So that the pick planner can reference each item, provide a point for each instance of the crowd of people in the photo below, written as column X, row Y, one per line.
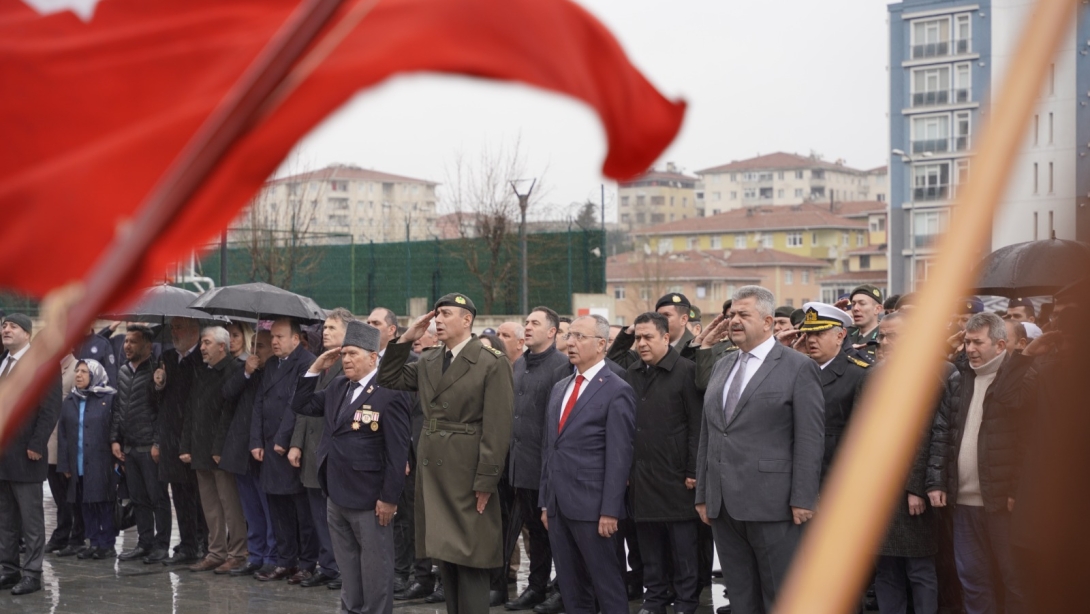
column 399, row 463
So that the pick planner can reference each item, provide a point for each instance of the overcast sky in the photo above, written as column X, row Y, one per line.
column 759, row 77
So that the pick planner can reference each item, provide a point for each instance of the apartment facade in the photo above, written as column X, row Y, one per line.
column 947, row 58
column 656, row 197
column 369, row 205
column 786, row 179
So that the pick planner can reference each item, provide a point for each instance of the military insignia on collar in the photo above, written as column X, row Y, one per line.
column 460, row 300
column 370, row 389
column 861, row 363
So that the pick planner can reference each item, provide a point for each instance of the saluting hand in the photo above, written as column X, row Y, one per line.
column 325, row 361
column 418, row 328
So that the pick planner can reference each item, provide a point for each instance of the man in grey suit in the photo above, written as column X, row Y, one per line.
column 759, row 458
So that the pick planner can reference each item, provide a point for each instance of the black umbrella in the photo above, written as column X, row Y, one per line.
column 258, row 300
column 160, row 303
column 1036, row 268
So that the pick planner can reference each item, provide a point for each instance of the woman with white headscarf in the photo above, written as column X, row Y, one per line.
column 83, row 453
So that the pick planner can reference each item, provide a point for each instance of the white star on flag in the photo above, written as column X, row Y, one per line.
column 84, row 9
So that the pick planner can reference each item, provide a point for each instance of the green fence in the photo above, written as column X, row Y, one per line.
column 363, row 276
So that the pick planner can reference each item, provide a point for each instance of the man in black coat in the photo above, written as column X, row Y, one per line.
column 535, row 373
column 270, row 437
column 361, row 464
column 675, row 307
column 232, row 447
column 219, row 493
column 842, row 374
column 174, row 384
column 132, row 433
column 23, row 468
column 663, row 478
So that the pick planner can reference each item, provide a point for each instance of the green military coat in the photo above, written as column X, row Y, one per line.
column 463, row 446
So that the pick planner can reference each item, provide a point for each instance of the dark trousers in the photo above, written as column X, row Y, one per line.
column 405, row 561
column 539, row 549
column 505, row 496
column 98, row 518
column 669, row 565
column 705, row 552
column 898, row 576
column 466, row 588
column 754, row 557
column 318, row 513
column 192, row 528
column 22, row 514
column 982, row 550
column 296, row 543
column 69, row 519
column 366, row 550
column 587, row 566
column 626, row 535
column 260, row 538
column 150, row 499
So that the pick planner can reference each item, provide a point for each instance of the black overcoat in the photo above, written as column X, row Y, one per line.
column 15, row 466
column 204, row 422
column 232, row 443
column 274, row 421
column 174, row 407
column 99, row 478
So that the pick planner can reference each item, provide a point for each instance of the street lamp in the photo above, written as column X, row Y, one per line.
column 524, row 202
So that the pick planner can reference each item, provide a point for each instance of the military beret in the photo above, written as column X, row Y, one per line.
column 675, row 299
column 362, row 335
column 694, row 313
column 456, row 300
column 823, row 316
column 971, row 305
column 869, row 290
column 1021, row 302
column 784, row 311
column 797, row 316
column 20, row 320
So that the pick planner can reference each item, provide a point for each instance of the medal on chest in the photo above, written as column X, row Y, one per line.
column 365, row 415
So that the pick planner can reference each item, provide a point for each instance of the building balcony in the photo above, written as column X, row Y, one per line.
column 933, row 192
column 943, row 145
column 940, row 49
column 941, row 97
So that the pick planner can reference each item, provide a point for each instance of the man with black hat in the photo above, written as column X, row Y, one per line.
column 842, row 375
column 466, row 392
column 695, row 326
column 676, row 309
column 1021, row 310
column 23, row 468
column 361, row 464
column 866, row 302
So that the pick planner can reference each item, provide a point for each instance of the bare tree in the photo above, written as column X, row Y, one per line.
column 486, row 213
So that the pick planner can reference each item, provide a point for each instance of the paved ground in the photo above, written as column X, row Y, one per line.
column 112, row 587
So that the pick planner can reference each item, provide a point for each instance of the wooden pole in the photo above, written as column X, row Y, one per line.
column 867, row 481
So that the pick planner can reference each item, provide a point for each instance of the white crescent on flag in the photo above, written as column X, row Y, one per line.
column 84, row 9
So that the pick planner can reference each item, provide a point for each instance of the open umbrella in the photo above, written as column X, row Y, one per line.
column 160, row 303
column 258, row 300
column 1035, row 268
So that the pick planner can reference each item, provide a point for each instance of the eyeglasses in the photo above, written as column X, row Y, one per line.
column 578, row 337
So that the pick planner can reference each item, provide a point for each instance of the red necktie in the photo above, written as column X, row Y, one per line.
column 579, row 379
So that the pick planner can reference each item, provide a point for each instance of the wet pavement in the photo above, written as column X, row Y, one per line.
column 113, row 587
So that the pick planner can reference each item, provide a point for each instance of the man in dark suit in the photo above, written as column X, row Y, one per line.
column 361, row 465
column 304, row 450
column 23, row 468
column 675, row 307
column 270, row 436
column 759, row 460
column 585, row 467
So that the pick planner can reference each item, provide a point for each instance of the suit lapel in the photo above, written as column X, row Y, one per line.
column 325, row 378
column 557, row 406
column 766, row 367
column 282, row 368
column 592, row 386
column 459, row 366
column 718, row 380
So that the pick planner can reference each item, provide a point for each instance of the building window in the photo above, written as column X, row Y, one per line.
column 813, row 239
column 962, row 83
column 860, row 239
column 794, row 239
column 733, row 195
column 701, row 291
column 734, row 176
column 779, row 193
column 864, row 262
column 626, row 218
column 641, row 200
column 658, row 201
column 930, row 182
column 817, row 174
column 692, row 243
column 641, row 218
column 749, row 193
column 961, row 131
column 338, row 204
column 1050, row 178
column 666, row 246
column 624, row 201
column 671, row 201
column 658, row 218
column 1050, row 127
column 717, row 291
column 790, row 302
column 798, row 192
column 717, row 196
column 717, row 242
column 618, row 293
column 878, row 224
column 338, row 186
column 766, row 241
column 929, row 225
column 675, row 289
column 805, row 278
column 963, row 33
column 931, row 38
column 766, row 193
column 817, row 191
column 739, row 241
column 844, row 239
column 799, row 174
column 931, row 133
column 788, row 277
column 931, row 86
column 645, row 293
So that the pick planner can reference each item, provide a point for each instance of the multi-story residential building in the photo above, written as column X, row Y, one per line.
column 947, row 58
column 707, row 278
column 810, row 230
column 369, row 205
column 656, row 197
column 867, row 264
column 786, row 179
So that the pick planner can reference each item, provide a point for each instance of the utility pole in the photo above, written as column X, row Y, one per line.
column 524, row 202
column 223, row 258
column 605, row 256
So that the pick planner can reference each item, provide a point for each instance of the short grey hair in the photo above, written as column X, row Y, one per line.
column 766, row 302
column 219, row 334
column 601, row 325
column 340, row 313
column 997, row 330
column 520, row 331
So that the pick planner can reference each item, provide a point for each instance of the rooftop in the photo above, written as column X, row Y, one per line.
column 666, row 176
column 348, row 172
column 859, row 208
column 679, row 266
column 767, row 217
column 779, row 161
column 876, row 277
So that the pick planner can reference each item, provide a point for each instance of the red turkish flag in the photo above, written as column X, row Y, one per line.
column 93, row 112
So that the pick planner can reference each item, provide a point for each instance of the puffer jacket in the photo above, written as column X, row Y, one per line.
column 135, row 411
column 1009, row 406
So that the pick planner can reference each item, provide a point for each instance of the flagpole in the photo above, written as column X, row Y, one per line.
column 867, row 480
column 76, row 306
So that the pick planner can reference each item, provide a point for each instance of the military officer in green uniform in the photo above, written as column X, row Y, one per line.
column 866, row 305
column 824, row 328
column 467, row 395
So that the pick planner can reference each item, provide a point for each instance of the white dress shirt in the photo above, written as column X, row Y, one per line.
column 17, row 356
column 587, row 375
column 756, row 357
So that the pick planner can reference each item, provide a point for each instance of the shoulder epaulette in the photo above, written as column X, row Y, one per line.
column 493, row 350
column 861, row 363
